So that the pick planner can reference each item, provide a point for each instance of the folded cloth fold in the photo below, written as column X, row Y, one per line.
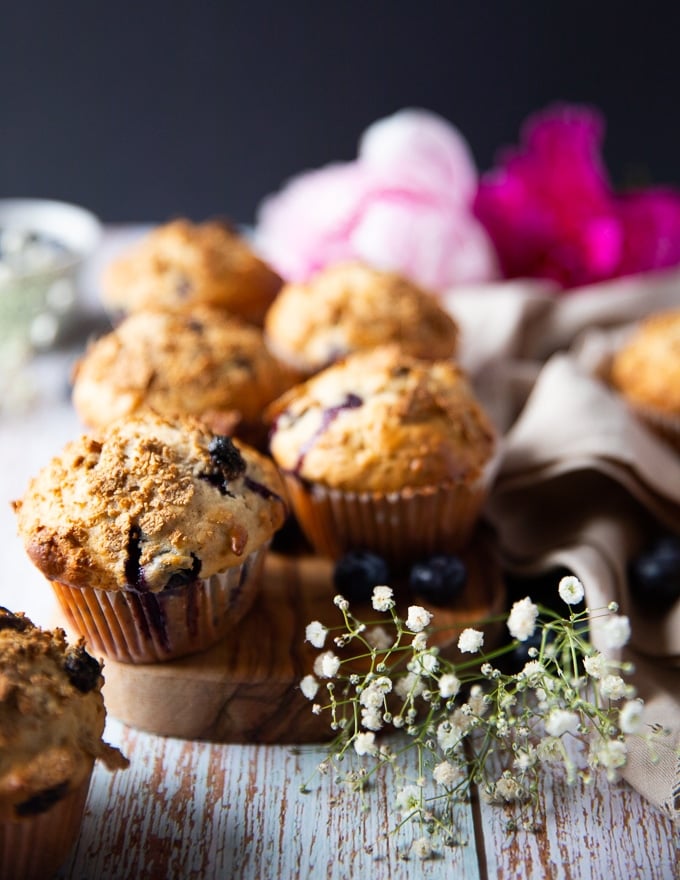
column 583, row 484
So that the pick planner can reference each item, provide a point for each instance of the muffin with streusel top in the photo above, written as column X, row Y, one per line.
column 646, row 372
column 152, row 533
column 182, row 264
column 386, row 452
column 203, row 363
column 52, row 719
column 351, row 307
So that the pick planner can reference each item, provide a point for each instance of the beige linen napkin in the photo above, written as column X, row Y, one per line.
column 582, row 482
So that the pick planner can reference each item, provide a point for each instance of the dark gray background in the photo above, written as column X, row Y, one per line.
column 149, row 110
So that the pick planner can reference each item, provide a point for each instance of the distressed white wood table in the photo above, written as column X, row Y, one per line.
column 190, row 810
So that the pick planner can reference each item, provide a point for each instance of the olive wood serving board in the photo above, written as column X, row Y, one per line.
column 246, row 687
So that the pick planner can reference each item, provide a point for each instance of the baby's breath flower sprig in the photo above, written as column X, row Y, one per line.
column 471, row 720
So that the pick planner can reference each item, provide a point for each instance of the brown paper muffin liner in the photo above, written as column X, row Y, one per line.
column 400, row 526
column 135, row 626
column 34, row 848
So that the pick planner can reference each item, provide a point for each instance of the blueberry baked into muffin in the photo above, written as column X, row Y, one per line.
column 204, row 363
column 52, row 719
column 152, row 533
column 353, row 307
column 385, row 452
column 182, row 264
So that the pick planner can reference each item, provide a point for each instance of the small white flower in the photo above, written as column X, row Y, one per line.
column 507, row 789
column 524, row 760
column 383, row 598
column 470, row 641
column 522, row 619
column 418, row 618
column 571, row 590
column 447, row 774
column 371, row 697
column 561, row 721
column 409, row 684
column 610, row 754
column 427, row 663
column 382, row 684
column 341, row 602
column 316, row 633
column 533, row 672
column 408, row 799
column 378, row 638
column 449, row 685
column 327, row 664
column 419, row 642
column 613, row 687
column 309, row 686
column 630, row 716
column 477, row 703
column 371, row 719
column 422, row 848
column 596, row 665
column 364, row 743
column 615, row 631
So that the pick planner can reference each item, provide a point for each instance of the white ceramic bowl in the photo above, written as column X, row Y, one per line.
column 43, row 246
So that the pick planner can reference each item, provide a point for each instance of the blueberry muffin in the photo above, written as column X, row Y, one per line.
column 385, row 452
column 202, row 363
column 181, row 264
column 645, row 370
column 352, row 307
column 51, row 724
column 152, row 533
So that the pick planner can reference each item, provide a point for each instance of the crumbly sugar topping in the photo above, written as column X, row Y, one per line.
column 143, row 502
column 51, row 714
column 382, row 421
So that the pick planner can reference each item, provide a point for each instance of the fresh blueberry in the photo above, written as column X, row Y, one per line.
column 438, row 579
column 654, row 575
column 358, row 572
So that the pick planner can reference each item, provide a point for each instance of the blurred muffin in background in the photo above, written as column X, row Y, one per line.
column 385, row 452
column 203, row 363
column 645, row 370
column 52, row 719
column 181, row 264
column 351, row 307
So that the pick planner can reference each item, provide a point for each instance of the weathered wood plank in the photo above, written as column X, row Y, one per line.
column 589, row 832
column 199, row 810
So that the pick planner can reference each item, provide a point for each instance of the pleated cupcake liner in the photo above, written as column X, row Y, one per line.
column 136, row 626
column 35, row 847
column 400, row 526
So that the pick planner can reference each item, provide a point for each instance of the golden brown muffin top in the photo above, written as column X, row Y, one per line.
column 181, row 264
column 51, row 717
column 383, row 421
column 198, row 363
column 149, row 503
column 646, row 369
column 350, row 307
